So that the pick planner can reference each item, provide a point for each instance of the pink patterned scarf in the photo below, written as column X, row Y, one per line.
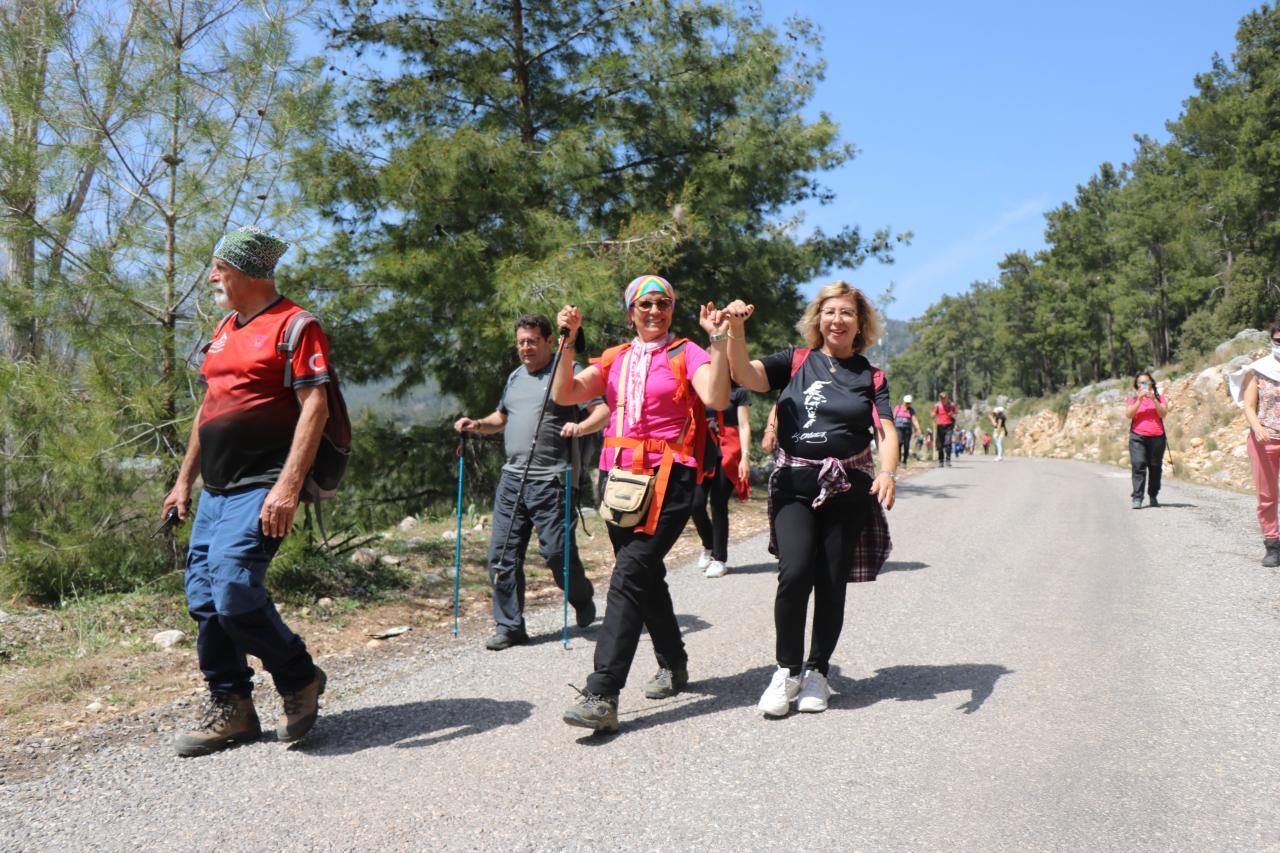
column 637, row 373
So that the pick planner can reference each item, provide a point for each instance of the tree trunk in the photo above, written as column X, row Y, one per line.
column 521, row 73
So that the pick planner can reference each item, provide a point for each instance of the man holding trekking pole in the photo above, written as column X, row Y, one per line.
column 536, row 499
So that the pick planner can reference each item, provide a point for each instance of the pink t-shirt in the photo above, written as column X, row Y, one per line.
column 1145, row 420
column 662, row 418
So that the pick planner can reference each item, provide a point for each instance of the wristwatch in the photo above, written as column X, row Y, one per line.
column 716, row 337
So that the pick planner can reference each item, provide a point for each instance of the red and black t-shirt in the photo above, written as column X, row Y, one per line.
column 246, row 423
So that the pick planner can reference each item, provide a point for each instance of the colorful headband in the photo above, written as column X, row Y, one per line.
column 646, row 284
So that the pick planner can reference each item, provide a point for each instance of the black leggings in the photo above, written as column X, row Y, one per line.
column 904, row 443
column 638, row 595
column 815, row 551
column 1146, row 458
column 713, row 531
column 943, row 441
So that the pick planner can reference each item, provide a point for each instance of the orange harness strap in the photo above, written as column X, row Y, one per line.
column 692, row 438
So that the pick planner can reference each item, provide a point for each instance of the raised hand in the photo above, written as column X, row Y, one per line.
column 713, row 322
column 569, row 318
column 737, row 313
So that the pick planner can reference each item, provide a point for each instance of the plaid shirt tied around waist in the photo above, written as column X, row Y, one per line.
column 874, row 544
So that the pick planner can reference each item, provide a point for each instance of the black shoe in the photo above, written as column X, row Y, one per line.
column 504, row 640
column 1273, row 553
column 1152, row 502
column 667, row 683
column 1137, row 503
column 586, row 613
column 593, row 712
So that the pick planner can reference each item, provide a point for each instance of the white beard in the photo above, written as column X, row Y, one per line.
column 220, row 299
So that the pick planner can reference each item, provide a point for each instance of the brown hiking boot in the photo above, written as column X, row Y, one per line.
column 226, row 718
column 300, row 708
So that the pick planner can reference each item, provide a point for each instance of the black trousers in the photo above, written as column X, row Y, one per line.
column 904, row 443
column 942, row 439
column 1146, row 457
column 638, row 594
column 815, row 551
column 713, row 530
column 541, row 508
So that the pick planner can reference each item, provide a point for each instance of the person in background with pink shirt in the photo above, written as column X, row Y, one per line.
column 1147, row 440
column 1261, row 399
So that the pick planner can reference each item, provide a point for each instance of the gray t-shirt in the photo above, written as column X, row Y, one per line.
column 521, row 402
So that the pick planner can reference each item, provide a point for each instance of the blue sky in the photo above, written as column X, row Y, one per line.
column 974, row 119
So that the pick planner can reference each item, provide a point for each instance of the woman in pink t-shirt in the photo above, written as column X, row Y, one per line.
column 1146, row 412
column 654, row 414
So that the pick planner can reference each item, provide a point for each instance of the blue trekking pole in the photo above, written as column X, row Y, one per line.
column 568, row 530
column 457, row 547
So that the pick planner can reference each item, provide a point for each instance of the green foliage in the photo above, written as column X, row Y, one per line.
column 526, row 155
column 79, row 508
column 302, row 573
column 1163, row 257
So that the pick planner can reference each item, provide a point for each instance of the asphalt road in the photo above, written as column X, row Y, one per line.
column 1038, row 668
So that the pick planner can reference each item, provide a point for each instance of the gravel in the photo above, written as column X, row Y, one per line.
column 1039, row 667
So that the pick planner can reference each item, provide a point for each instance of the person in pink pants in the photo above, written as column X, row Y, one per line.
column 1261, row 398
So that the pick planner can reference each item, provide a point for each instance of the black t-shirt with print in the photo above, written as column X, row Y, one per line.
column 822, row 414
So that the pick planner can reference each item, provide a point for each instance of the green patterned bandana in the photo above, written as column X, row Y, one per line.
column 251, row 250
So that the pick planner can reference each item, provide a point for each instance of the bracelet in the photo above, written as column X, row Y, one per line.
column 715, row 338
column 893, row 475
column 732, row 336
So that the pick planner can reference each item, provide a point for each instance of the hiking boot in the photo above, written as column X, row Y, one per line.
column 1137, row 503
column 300, row 708
column 781, row 692
column 226, row 718
column 586, row 614
column 506, row 639
column 814, row 692
column 593, row 712
column 667, row 683
column 1273, row 553
column 716, row 569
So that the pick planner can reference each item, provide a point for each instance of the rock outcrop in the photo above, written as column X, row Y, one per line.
column 1207, row 431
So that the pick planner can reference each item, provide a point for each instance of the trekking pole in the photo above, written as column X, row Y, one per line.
column 568, row 530
column 524, row 475
column 457, row 547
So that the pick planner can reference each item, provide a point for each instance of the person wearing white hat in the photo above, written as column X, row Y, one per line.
column 998, row 430
column 905, row 421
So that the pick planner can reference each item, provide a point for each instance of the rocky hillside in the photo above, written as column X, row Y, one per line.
column 1207, row 431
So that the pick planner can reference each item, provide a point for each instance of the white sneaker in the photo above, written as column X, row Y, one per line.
column 705, row 559
column 781, row 692
column 814, row 692
column 715, row 569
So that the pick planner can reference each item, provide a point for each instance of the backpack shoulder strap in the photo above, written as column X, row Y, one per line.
column 608, row 357
column 877, row 377
column 798, row 357
column 292, row 337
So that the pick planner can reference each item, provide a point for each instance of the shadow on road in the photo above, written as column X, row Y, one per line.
column 902, row 566
column 755, row 569
column 703, row 696
column 414, row 724
column 937, row 491
column 690, row 624
column 1164, row 505
column 917, row 683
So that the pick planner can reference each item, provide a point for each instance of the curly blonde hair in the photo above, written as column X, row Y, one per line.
column 869, row 327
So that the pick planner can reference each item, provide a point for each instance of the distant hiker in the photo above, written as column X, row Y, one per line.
column 541, row 506
column 827, row 528
column 253, row 443
column 1261, row 401
column 999, row 430
column 1146, row 412
column 905, row 422
column 928, row 445
column 986, row 444
column 658, row 388
column 729, row 458
column 944, row 420
column 919, row 445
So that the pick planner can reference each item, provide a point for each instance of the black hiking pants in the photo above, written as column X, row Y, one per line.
column 1146, row 457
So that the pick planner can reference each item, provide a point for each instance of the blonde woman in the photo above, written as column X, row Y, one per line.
column 827, row 527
